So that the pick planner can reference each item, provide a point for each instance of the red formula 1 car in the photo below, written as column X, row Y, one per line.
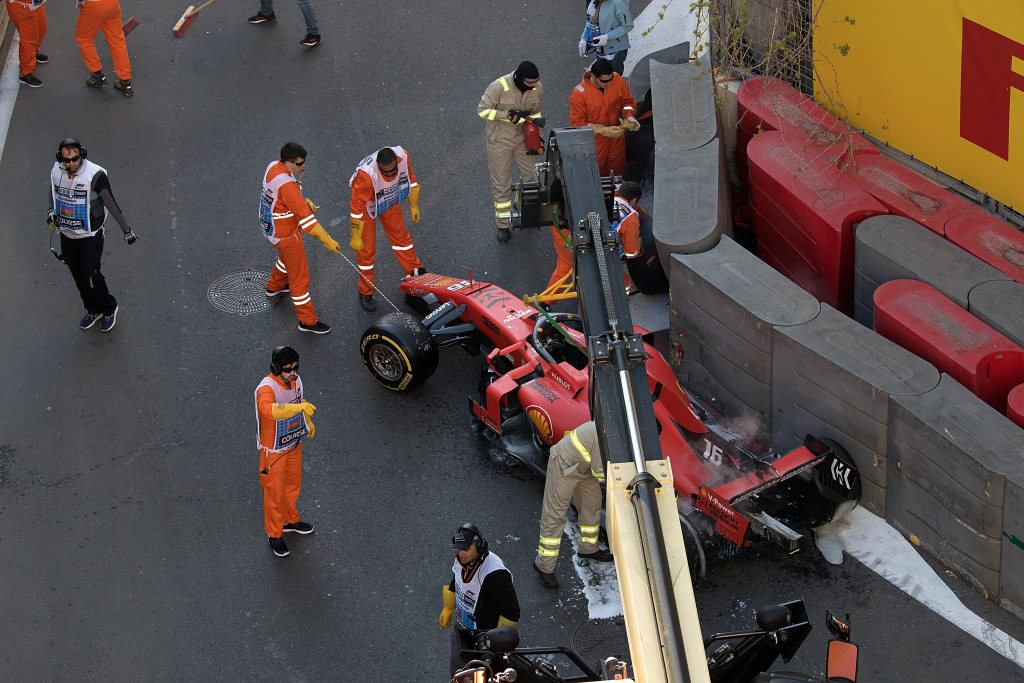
column 534, row 391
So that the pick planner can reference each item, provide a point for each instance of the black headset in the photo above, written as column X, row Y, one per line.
column 71, row 142
column 275, row 360
column 478, row 539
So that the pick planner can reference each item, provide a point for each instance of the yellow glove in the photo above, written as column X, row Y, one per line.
column 312, row 429
column 502, row 621
column 414, row 204
column 357, row 234
column 629, row 123
column 613, row 132
column 280, row 411
column 312, row 207
column 449, row 607
column 321, row 234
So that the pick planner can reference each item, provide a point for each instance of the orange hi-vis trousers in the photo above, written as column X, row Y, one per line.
column 292, row 270
column 281, row 485
column 401, row 243
column 31, row 25
column 105, row 15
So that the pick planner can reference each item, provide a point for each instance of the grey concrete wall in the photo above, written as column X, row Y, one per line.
column 1011, row 565
column 684, row 106
column 833, row 378
column 689, row 216
column 950, row 455
column 725, row 303
column 1000, row 304
column 894, row 248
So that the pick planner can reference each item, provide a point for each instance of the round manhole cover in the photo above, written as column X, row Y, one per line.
column 597, row 639
column 242, row 293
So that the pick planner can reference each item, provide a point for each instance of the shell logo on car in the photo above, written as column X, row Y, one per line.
column 541, row 421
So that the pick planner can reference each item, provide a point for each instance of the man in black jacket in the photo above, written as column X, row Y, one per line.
column 480, row 594
column 80, row 199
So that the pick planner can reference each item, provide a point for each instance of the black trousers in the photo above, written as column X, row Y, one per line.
column 83, row 259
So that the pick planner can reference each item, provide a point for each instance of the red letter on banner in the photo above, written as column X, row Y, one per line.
column 986, row 76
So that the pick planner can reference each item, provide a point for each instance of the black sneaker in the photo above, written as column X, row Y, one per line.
column 316, row 328
column 108, row 321
column 299, row 527
column 124, row 86
column 96, row 80
column 41, row 58
column 89, row 320
column 278, row 292
column 547, row 580
column 597, row 556
column 367, row 302
column 260, row 18
column 278, row 545
column 310, row 40
column 416, row 272
column 503, row 235
column 31, row 81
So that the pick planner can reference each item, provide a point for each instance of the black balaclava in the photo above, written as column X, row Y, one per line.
column 525, row 70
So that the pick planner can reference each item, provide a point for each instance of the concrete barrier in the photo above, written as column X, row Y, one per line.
column 1001, row 305
column 1011, row 559
column 684, row 106
column 690, row 211
column 950, row 456
column 833, row 378
column 896, row 248
column 725, row 303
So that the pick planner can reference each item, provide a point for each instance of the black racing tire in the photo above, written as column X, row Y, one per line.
column 645, row 270
column 837, row 509
column 399, row 351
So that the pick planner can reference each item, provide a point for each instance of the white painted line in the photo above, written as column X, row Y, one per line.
column 884, row 550
column 8, row 90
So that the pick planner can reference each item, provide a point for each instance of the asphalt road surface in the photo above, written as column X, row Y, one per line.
column 131, row 534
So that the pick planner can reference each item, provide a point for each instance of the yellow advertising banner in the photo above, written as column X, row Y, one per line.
column 942, row 80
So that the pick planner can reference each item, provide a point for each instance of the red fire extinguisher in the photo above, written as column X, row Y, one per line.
column 531, row 132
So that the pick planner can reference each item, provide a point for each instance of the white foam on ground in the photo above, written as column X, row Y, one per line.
column 674, row 26
column 8, row 90
column 882, row 549
column 600, row 584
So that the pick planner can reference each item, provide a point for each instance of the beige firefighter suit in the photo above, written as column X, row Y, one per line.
column 575, row 470
column 505, row 140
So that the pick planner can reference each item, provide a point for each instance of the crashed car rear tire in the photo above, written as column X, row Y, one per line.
column 399, row 351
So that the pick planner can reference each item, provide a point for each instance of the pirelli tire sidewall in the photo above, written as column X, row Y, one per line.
column 399, row 351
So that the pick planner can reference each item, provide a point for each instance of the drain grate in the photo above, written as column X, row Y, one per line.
column 596, row 639
column 242, row 293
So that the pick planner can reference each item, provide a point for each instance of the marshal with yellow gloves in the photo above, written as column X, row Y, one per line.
column 379, row 185
column 481, row 594
column 284, row 215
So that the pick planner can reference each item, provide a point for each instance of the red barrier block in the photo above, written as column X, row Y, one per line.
column 1015, row 405
column 990, row 239
column 804, row 213
column 907, row 194
column 924, row 321
column 768, row 104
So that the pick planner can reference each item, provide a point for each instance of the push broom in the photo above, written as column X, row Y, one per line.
column 187, row 18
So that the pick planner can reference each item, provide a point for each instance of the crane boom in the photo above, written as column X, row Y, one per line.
column 650, row 562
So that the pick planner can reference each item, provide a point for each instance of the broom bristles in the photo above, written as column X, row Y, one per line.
column 184, row 22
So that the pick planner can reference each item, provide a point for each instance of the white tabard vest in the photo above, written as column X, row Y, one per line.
column 624, row 210
column 468, row 594
column 289, row 431
column 72, row 199
column 269, row 198
column 388, row 193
